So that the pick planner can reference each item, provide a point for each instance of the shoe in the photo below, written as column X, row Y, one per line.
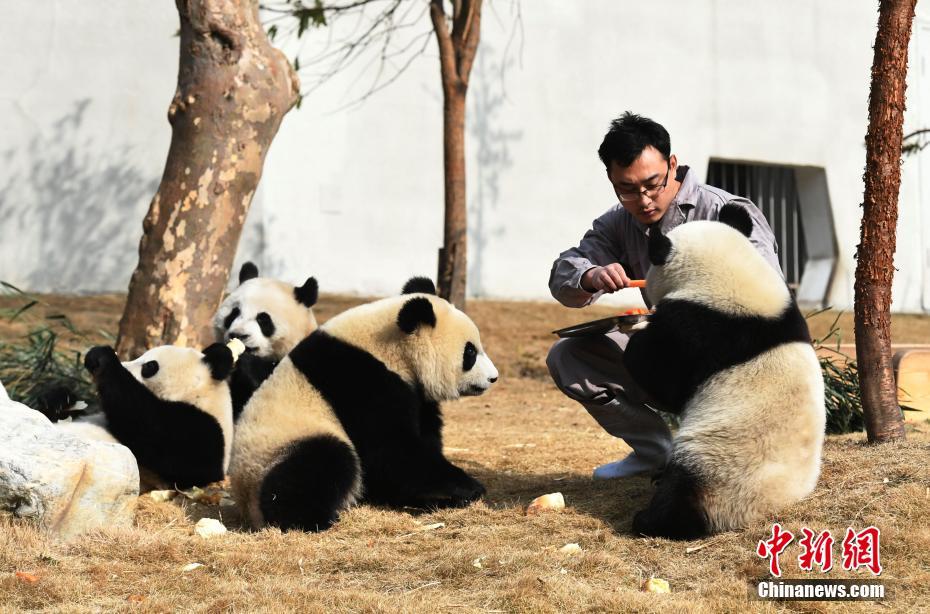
column 630, row 466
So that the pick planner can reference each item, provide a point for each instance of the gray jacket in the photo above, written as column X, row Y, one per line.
column 617, row 236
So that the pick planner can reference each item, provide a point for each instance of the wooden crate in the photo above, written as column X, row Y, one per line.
column 912, row 373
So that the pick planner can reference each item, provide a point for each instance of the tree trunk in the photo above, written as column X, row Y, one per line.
column 233, row 91
column 456, row 56
column 875, row 253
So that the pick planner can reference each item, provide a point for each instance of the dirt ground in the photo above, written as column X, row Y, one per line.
column 522, row 439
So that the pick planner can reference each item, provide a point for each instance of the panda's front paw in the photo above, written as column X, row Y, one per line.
column 642, row 524
column 55, row 402
column 98, row 358
column 458, row 493
column 467, row 492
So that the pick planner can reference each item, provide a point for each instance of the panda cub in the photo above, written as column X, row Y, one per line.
column 353, row 412
column 171, row 407
column 727, row 348
column 270, row 317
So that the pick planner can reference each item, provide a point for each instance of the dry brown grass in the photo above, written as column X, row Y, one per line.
column 522, row 439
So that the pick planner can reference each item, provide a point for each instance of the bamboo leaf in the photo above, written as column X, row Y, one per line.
column 24, row 309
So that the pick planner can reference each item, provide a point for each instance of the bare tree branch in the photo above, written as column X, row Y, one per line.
column 469, row 26
column 446, row 49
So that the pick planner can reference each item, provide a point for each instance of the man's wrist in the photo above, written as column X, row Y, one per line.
column 581, row 281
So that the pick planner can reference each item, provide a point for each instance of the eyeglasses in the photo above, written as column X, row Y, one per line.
column 650, row 191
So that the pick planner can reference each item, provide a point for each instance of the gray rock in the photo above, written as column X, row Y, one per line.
column 66, row 485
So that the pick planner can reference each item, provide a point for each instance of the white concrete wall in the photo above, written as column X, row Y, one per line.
column 84, row 137
column 354, row 196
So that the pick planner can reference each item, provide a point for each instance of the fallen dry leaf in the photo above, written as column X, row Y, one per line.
column 27, row 577
column 191, row 567
column 432, row 527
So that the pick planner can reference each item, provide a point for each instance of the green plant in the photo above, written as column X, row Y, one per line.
column 840, row 382
column 36, row 364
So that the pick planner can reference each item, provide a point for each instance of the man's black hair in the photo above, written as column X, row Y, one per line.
column 628, row 136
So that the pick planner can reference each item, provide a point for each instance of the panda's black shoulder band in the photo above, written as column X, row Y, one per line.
column 416, row 312
column 419, row 284
column 247, row 272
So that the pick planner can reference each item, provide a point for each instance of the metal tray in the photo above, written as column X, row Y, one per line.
column 600, row 327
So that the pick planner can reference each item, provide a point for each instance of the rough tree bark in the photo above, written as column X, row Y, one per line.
column 456, row 56
column 875, row 253
column 233, row 91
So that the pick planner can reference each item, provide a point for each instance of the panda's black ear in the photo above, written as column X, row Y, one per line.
column 247, row 272
column 220, row 360
column 419, row 284
column 308, row 293
column 416, row 312
column 736, row 216
column 660, row 246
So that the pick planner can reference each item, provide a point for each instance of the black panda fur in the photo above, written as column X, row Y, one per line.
column 270, row 317
column 249, row 373
column 410, row 472
column 181, row 443
column 422, row 285
column 737, row 363
column 373, row 433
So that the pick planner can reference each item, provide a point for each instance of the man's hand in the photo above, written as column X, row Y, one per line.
column 609, row 278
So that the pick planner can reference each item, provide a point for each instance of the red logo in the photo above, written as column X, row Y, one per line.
column 773, row 547
column 861, row 550
column 819, row 551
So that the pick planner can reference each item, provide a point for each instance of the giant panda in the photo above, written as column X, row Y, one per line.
column 171, row 407
column 728, row 349
column 270, row 317
column 353, row 412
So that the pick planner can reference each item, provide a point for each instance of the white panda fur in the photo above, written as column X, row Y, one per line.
column 355, row 405
column 270, row 317
column 171, row 407
column 92, row 427
column 727, row 348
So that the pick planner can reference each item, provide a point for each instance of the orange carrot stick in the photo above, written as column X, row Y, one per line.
column 637, row 283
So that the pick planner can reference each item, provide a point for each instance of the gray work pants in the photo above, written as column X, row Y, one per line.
column 590, row 370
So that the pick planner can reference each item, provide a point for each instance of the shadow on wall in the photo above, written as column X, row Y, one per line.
column 487, row 96
column 71, row 209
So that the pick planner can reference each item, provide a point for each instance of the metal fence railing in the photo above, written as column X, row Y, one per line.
column 774, row 190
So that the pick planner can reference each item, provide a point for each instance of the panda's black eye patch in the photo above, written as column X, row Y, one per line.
column 265, row 323
column 231, row 318
column 469, row 357
column 149, row 368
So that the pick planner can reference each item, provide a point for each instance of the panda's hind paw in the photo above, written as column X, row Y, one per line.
column 464, row 495
column 456, row 495
column 642, row 524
